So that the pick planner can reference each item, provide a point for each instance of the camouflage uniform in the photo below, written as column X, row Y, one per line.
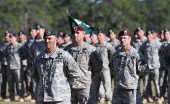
column 105, row 51
column 138, row 42
column 90, row 65
column 126, row 68
column 165, row 53
column 3, row 47
column 25, row 54
column 163, row 70
column 151, row 53
column 36, row 48
column 62, row 46
column 53, row 73
column 115, row 43
column 14, row 65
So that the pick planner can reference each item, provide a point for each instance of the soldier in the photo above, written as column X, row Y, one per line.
column 151, row 49
column 23, row 40
column 90, row 65
column 26, row 49
column 87, row 38
column 93, row 36
column 105, row 51
column 127, row 64
column 36, row 48
column 53, row 67
column 40, row 31
column 165, row 65
column 60, row 38
column 12, row 53
column 113, row 41
column 140, row 38
column 3, row 47
column 67, row 40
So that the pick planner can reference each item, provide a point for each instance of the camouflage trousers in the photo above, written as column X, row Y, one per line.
column 168, row 85
column 14, row 76
column 59, row 102
column 163, row 78
column 105, row 86
column 94, row 90
column 4, row 81
column 80, row 96
column 153, row 75
column 124, row 96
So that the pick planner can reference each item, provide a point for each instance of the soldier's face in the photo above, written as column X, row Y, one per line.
column 66, row 39
column 167, row 35
column 7, row 38
column 112, row 35
column 93, row 38
column 13, row 39
column 140, row 33
column 150, row 37
column 101, row 37
column 60, row 40
column 78, row 36
column 22, row 37
column 33, row 33
column 125, row 40
column 50, row 41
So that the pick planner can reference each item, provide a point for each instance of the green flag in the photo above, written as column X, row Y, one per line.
column 75, row 22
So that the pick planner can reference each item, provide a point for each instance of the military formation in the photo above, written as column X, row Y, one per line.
column 46, row 66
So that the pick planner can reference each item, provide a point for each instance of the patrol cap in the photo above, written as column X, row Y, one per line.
column 124, row 32
column 93, row 30
column 60, row 34
column 32, row 28
column 100, row 30
column 166, row 30
column 138, row 29
column 78, row 28
column 12, row 35
column 149, row 32
column 161, row 31
column 40, row 26
column 21, row 32
column 50, row 33
column 65, row 35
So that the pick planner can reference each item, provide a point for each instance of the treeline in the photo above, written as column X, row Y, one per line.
column 16, row 15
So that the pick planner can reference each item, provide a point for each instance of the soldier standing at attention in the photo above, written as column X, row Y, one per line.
column 3, row 47
column 90, row 65
column 113, row 40
column 151, row 50
column 127, row 64
column 54, row 70
column 12, row 53
column 105, row 51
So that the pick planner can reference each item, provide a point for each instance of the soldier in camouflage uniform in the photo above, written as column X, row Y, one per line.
column 36, row 48
column 4, row 64
column 105, row 51
column 54, row 70
column 93, row 36
column 127, row 64
column 12, row 53
column 26, row 49
column 67, row 41
column 113, row 41
column 151, row 50
column 90, row 65
column 22, row 40
column 166, row 65
column 140, row 40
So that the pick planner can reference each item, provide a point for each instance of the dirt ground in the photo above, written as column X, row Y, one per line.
column 153, row 90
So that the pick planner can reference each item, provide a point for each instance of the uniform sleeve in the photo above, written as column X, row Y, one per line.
column 141, row 65
column 96, row 63
column 72, row 72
